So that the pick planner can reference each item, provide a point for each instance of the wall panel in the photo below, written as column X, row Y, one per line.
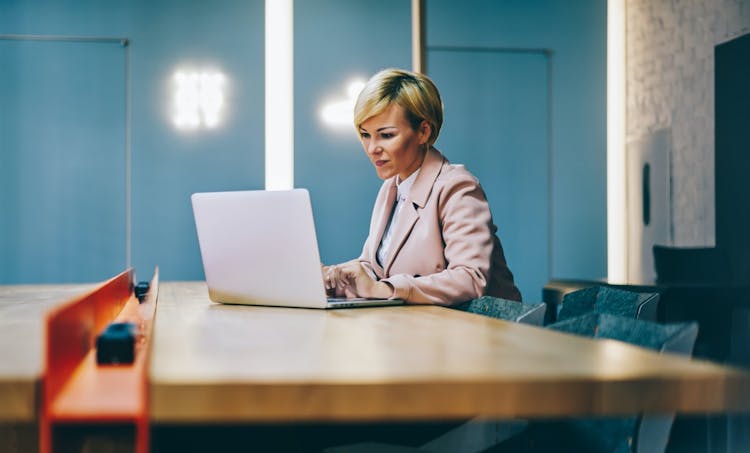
column 62, row 138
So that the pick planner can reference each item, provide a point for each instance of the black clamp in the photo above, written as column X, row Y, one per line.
column 141, row 289
column 116, row 345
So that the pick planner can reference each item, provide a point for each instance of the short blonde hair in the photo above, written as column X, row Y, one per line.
column 414, row 92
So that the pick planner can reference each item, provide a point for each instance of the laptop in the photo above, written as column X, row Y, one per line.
column 259, row 248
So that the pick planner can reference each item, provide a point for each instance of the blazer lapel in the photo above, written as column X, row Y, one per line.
column 431, row 167
column 383, row 216
column 417, row 199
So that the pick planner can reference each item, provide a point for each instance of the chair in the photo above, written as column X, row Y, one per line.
column 690, row 276
column 603, row 299
column 671, row 338
column 691, row 265
column 509, row 310
column 644, row 433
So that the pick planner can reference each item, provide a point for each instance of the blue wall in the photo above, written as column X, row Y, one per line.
column 576, row 33
column 167, row 165
column 496, row 110
column 551, row 213
column 52, row 225
column 335, row 40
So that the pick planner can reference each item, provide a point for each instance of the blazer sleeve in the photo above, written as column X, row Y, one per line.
column 466, row 225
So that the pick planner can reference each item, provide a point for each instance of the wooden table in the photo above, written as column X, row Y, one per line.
column 22, row 309
column 224, row 363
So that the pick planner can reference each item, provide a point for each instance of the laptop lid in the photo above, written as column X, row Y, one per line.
column 259, row 247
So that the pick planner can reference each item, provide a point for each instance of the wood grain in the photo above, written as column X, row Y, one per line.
column 213, row 363
column 22, row 309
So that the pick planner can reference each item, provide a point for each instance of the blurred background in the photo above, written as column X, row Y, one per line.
column 112, row 113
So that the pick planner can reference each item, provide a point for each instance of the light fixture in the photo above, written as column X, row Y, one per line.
column 198, row 99
column 279, row 61
column 339, row 113
column 617, row 240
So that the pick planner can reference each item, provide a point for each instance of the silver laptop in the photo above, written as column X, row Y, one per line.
column 259, row 248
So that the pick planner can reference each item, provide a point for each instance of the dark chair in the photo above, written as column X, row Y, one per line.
column 690, row 277
column 644, row 433
column 508, row 310
column 691, row 265
column 671, row 338
column 603, row 299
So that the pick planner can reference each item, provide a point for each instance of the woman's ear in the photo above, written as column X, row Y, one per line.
column 425, row 130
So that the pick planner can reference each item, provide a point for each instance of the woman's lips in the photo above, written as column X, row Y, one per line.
column 380, row 163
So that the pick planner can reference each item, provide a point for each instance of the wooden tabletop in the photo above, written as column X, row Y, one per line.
column 22, row 309
column 214, row 363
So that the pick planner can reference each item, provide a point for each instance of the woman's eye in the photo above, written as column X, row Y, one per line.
column 364, row 135
column 386, row 135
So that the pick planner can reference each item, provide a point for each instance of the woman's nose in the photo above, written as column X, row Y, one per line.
column 374, row 148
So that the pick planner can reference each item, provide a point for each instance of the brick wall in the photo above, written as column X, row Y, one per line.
column 670, row 84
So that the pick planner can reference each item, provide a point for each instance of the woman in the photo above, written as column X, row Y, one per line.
column 432, row 239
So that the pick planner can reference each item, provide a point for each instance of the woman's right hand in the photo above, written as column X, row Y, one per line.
column 332, row 280
column 350, row 279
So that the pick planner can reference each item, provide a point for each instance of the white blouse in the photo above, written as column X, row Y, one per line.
column 403, row 188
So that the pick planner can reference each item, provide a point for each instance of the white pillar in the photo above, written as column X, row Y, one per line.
column 279, row 99
column 617, row 237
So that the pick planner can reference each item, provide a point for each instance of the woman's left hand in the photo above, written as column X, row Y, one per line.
column 356, row 279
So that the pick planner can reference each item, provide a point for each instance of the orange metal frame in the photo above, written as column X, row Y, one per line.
column 76, row 391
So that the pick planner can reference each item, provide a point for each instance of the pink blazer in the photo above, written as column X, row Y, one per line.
column 444, row 249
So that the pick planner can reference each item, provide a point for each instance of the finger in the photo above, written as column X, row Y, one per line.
column 330, row 277
column 349, row 279
column 345, row 275
column 352, row 272
column 346, row 268
column 324, row 275
column 334, row 276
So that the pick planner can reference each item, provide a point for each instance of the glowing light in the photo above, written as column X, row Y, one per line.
column 339, row 113
column 279, row 94
column 198, row 99
column 617, row 245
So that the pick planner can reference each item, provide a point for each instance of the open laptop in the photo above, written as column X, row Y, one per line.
column 259, row 248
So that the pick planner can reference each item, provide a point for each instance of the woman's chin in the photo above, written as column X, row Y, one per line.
column 383, row 173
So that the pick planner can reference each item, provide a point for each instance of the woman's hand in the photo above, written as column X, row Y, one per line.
column 330, row 279
column 353, row 279
column 334, row 282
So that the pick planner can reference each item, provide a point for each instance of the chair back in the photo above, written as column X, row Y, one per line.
column 509, row 310
column 691, row 265
column 646, row 433
column 603, row 299
column 653, row 429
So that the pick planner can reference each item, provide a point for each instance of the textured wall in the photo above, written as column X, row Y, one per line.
column 670, row 84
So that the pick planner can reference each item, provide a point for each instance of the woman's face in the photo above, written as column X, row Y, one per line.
column 391, row 143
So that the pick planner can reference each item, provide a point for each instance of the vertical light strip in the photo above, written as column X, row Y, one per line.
column 617, row 240
column 128, row 163
column 418, row 36
column 279, row 97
